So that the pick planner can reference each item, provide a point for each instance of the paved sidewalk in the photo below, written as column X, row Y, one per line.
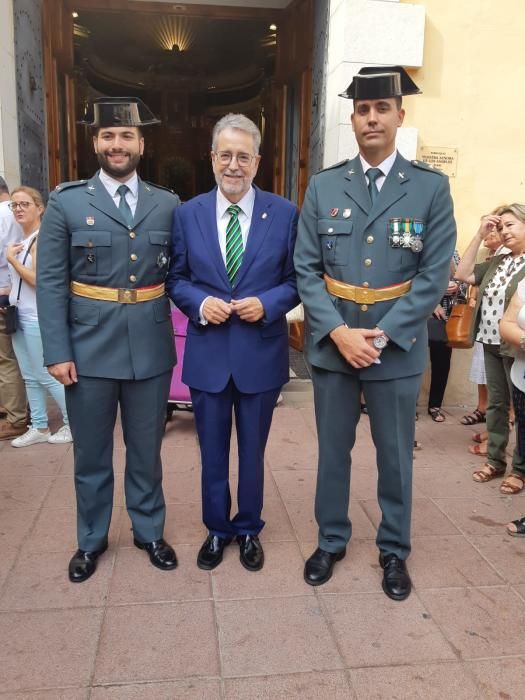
column 135, row 632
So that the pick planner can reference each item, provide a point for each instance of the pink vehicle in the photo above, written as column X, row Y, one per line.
column 179, row 397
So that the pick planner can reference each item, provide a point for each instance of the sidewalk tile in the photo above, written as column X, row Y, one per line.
column 177, row 690
column 23, row 492
column 157, row 642
column 295, row 484
column 499, row 678
column 328, row 685
column 505, row 553
column 485, row 515
column 55, row 694
column 14, row 527
column 274, row 636
column 55, row 530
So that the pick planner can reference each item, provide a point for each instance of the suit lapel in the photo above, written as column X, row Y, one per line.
column 260, row 225
column 206, row 215
column 100, row 199
column 393, row 188
column 145, row 203
column 355, row 186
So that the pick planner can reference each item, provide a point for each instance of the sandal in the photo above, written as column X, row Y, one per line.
column 510, row 489
column 478, row 450
column 476, row 416
column 436, row 415
column 520, row 528
column 480, row 437
column 487, row 473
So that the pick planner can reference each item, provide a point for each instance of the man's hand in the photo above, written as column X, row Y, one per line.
column 355, row 346
column 64, row 372
column 216, row 310
column 249, row 309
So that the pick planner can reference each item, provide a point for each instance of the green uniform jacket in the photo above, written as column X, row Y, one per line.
column 340, row 233
column 83, row 237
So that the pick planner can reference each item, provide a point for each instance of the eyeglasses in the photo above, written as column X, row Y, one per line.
column 21, row 205
column 225, row 158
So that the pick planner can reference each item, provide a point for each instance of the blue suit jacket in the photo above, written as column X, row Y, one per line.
column 255, row 355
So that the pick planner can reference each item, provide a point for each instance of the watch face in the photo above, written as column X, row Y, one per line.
column 380, row 342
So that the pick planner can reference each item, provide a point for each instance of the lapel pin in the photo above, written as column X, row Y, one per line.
column 351, row 172
column 402, row 175
column 91, row 188
column 346, row 213
column 90, row 221
column 334, row 211
column 147, row 188
column 264, row 216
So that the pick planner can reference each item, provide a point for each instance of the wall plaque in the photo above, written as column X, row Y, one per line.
column 445, row 159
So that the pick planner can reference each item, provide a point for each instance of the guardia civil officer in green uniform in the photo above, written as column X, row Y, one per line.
column 375, row 239
column 104, row 248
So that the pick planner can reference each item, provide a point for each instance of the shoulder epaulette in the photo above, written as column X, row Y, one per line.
column 67, row 185
column 158, row 187
column 426, row 166
column 335, row 165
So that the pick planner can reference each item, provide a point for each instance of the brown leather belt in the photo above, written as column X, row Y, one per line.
column 365, row 295
column 122, row 296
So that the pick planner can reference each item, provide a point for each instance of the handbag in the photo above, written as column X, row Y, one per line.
column 436, row 330
column 460, row 324
column 11, row 312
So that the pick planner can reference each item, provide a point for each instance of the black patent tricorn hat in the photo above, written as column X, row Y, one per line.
column 118, row 111
column 377, row 82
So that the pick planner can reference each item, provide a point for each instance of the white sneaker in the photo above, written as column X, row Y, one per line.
column 32, row 437
column 61, row 436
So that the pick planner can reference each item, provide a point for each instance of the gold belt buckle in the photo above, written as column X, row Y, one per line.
column 127, row 296
column 364, row 296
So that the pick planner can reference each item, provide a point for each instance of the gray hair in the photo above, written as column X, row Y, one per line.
column 239, row 122
column 517, row 210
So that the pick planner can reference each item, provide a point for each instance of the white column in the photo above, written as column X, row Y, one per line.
column 367, row 32
column 9, row 158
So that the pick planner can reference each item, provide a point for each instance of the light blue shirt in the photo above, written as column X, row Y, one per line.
column 112, row 185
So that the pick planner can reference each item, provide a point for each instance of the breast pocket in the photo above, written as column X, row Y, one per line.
column 402, row 260
column 91, row 252
column 335, row 240
column 160, row 241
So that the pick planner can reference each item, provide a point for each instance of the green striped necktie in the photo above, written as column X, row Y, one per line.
column 234, row 247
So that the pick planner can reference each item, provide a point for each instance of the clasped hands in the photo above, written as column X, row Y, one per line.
column 355, row 345
column 217, row 311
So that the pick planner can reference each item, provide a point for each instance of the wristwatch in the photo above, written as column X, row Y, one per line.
column 380, row 342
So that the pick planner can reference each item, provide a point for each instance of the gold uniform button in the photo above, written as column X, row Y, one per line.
column 132, row 278
column 370, row 239
column 364, row 307
column 132, row 234
column 368, row 262
column 365, row 284
column 133, row 257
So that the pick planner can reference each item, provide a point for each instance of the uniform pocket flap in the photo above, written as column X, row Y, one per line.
column 329, row 227
column 88, row 314
column 159, row 237
column 161, row 309
column 90, row 239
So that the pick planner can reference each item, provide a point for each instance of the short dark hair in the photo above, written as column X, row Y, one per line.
column 4, row 189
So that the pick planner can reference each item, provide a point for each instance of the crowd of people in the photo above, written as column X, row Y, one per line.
column 93, row 326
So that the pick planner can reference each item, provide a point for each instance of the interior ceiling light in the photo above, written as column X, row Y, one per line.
column 171, row 31
column 273, row 27
column 75, row 14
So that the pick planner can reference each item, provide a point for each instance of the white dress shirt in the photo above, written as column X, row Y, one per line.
column 10, row 232
column 112, row 185
column 385, row 167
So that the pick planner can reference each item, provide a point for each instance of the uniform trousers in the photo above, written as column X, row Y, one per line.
column 392, row 411
column 213, row 418
column 92, row 405
column 12, row 388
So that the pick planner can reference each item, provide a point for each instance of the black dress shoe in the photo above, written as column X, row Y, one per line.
column 160, row 553
column 83, row 564
column 319, row 568
column 210, row 554
column 396, row 581
column 252, row 555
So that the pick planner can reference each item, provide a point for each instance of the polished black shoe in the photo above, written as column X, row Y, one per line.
column 319, row 568
column 160, row 553
column 252, row 554
column 396, row 581
column 210, row 554
column 83, row 564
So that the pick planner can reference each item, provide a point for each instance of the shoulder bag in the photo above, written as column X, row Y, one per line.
column 10, row 312
column 460, row 323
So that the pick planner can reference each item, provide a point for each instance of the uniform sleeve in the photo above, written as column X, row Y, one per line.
column 52, row 285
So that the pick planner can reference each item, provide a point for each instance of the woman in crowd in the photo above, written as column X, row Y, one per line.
column 27, row 207
column 497, row 280
column 512, row 329
column 440, row 351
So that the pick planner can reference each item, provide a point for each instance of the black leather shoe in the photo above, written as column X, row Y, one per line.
column 210, row 554
column 160, row 553
column 83, row 564
column 252, row 555
column 319, row 568
column 396, row 581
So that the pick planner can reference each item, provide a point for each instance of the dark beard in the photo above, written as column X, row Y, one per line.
column 122, row 171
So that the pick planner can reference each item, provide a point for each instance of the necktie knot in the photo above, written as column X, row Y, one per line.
column 122, row 190
column 373, row 174
column 233, row 209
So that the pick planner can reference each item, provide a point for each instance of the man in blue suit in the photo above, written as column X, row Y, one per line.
column 232, row 274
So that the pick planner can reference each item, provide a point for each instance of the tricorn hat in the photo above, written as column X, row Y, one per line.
column 377, row 82
column 118, row 111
